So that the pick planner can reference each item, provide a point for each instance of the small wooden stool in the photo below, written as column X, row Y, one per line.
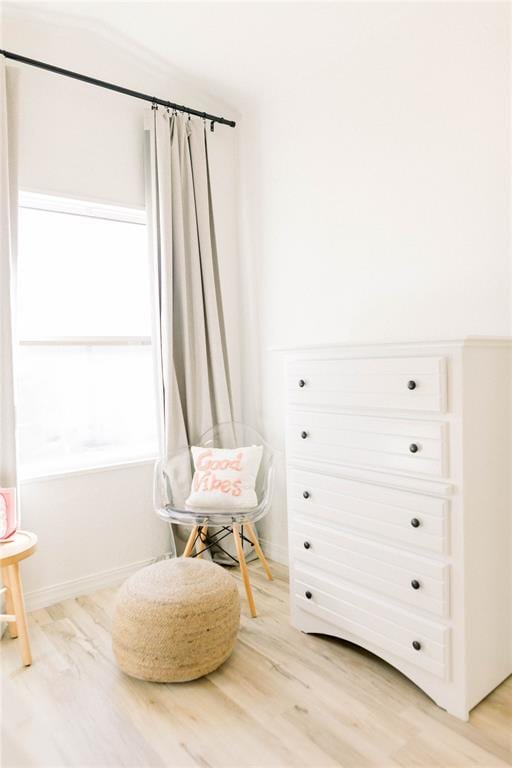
column 22, row 545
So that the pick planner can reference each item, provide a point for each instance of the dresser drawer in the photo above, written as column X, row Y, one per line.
column 403, row 383
column 421, row 582
column 412, row 446
column 382, row 513
column 375, row 621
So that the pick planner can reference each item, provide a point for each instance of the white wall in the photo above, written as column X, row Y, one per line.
column 94, row 528
column 82, row 141
column 376, row 182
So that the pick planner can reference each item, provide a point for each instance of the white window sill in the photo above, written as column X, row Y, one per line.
column 88, row 341
column 110, row 467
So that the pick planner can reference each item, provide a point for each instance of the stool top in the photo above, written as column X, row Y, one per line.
column 20, row 546
column 180, row 582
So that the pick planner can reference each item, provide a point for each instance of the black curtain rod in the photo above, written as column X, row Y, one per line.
column 116, row 88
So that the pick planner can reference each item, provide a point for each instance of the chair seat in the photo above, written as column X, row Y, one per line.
column 198, row 515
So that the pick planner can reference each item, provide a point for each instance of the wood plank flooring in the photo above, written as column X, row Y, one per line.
column 282, row 699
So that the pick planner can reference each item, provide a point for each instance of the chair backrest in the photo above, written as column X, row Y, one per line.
column 173, row 475
column 234, row 434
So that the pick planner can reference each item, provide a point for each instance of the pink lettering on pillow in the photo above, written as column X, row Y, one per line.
column 208, row 481
column 204, row 463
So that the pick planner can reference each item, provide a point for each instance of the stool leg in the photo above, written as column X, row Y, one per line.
column 200, row 547
column 13, row 629
column 190, row 543
column 19, row 610
column 243, row 569
column 254, row 538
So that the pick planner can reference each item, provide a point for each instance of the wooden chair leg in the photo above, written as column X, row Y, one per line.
column 254, row 539
column 191, row 541
column 200, row 547
column 243, row 569
column 19, row 610
column 9, row 607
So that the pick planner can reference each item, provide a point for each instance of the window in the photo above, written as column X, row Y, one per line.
column 85, row 375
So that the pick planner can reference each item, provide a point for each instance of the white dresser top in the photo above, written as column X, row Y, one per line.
column 463, row 341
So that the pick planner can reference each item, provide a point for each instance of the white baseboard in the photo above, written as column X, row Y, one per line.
column 42, row 598
column 275, row 551
column 46, row 596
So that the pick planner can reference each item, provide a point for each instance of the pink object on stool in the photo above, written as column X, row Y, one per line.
column 8, row 519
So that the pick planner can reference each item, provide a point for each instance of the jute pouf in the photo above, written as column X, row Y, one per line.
column 175, row 620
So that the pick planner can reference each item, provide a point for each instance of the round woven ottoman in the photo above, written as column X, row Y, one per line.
column 175, row 620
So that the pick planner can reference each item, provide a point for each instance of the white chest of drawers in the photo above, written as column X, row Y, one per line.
column 399, row 507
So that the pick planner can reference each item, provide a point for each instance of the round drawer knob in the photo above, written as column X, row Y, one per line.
column 416, row 645
column 413, row 448
column 302, row 383
column 308, row 595
column 306, row 494
column 307, row 545
column 411, row 384
column 415, row 584
column 303, row 435
column 415, row 522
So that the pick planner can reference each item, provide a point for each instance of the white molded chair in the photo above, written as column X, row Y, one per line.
column 173, row 477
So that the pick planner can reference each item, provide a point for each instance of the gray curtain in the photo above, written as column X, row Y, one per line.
column 8, row 217
column 193, row 367
column 8, row 221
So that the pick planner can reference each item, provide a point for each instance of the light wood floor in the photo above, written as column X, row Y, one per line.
column 283, row 699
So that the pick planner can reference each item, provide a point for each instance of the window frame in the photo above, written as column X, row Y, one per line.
column 97, row 210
